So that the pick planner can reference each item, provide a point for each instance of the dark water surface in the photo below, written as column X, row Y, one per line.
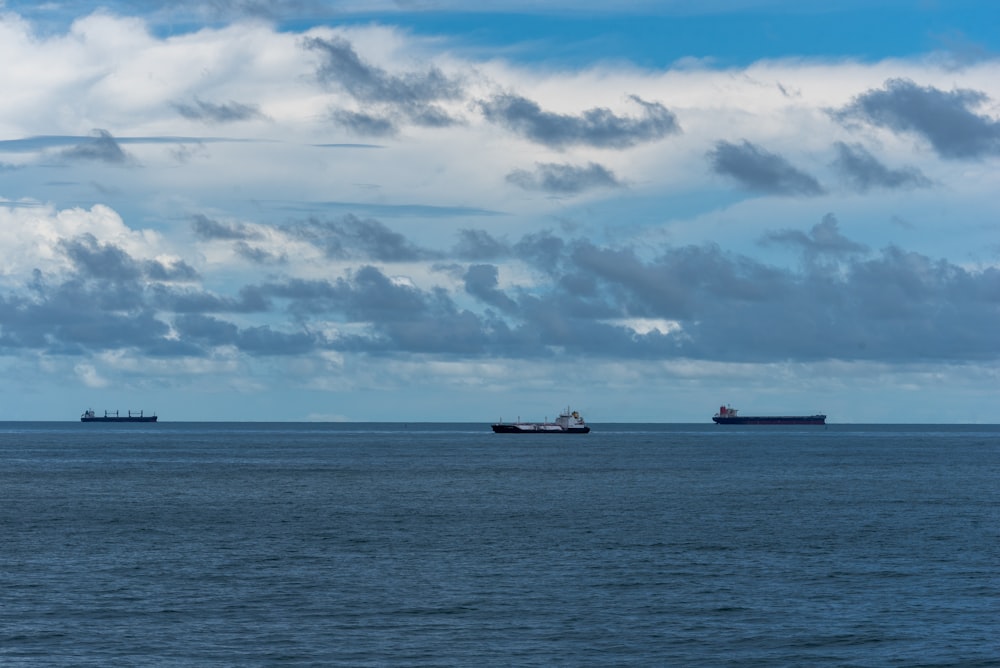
column 252, row 544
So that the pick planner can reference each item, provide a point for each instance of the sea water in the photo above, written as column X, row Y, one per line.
column 248, row 544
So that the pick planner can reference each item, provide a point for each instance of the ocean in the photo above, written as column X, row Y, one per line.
column 256, row 544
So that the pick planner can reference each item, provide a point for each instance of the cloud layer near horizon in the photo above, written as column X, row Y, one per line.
column 844, row 301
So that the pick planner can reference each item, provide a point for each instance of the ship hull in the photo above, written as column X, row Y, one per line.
column 148, row 418
column 778, row 419
column 527, row 428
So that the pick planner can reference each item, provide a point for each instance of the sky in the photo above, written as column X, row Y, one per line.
column 429, row 210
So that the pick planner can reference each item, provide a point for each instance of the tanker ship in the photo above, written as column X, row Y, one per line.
column 568, row 422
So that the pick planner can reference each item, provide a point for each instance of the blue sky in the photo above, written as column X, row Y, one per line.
column 413, row 211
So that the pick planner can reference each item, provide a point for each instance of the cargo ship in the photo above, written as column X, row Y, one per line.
column 728, row 415
column 568, row 422
column 90, row 416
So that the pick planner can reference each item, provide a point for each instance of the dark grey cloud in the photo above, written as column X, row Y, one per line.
column 596, row 127
column 400, row 318
column 77, row 316
column 910, row 306
column 564, row 179
column 863, row 171
column 265, row 341
column 309, row 296
column 262, row 340
column 96, row 260
column 431, row 116
column 102, row 147
column 207, row 330
column 364, row 123
column 353, row 237
column 227, row 112
column 363, row 294
column 411, row 96
column 542, row 249
column 341, row 65
column 210, row 229
column 109, row 262
column 92, row 313
column 371, row 295
column 479, row 245
column 675, row 284
column 760, row 170
column 946, row 119
column 406, row 319
column 893, row 305
column 177, row 271
column 258, row 255
column 844, row 301
column 823, row 239
column 481, row 281
column 141, row 328
column 250, row 299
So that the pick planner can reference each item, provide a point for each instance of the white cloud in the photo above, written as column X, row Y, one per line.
column 32, row 235
column 643, row 326
column 89, row 376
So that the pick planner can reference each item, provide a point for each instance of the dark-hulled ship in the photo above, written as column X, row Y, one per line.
column 728, row 415
column 90, row 416
column 568, row 422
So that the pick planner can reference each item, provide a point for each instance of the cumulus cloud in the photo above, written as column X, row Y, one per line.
column 864, row 172
column 598, row 127
column 855, row 304
column 946, row 119
column 97, row 260
column 75, row 317
column 109, row 262
column 559, row 179
column 760, row 170
column 893, row 305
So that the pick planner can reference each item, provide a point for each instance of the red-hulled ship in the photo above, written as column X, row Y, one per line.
column 728, row 415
